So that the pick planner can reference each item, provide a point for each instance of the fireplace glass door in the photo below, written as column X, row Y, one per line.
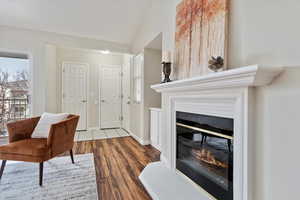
column 204, row 152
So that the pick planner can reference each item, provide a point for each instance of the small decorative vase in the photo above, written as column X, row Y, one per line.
column 216, row 64
column 166, row 71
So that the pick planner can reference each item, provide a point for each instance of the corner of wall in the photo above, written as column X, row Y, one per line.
column 140, row 140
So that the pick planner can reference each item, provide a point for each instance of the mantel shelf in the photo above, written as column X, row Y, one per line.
column 249, row 76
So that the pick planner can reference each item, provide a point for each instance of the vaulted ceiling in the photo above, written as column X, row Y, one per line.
column 110, row 20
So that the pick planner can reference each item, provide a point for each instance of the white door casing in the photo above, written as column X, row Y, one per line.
column 110, row 96
column 74, row 91
column 126, row 100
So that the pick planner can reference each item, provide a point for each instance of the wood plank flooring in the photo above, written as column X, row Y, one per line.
column 118, row 163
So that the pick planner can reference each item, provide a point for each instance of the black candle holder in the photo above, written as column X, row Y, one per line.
column 166, row 71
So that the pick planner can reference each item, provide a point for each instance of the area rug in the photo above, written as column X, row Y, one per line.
column 62, row 180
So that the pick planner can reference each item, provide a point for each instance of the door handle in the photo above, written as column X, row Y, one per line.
column 128, row 102
column 102, row 101
column 83, row 101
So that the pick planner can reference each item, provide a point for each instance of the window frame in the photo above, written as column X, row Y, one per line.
column 138, row 63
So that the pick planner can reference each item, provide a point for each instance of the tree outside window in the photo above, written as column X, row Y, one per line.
column 14, row 91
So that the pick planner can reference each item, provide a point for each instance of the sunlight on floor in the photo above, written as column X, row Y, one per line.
column 99, row 134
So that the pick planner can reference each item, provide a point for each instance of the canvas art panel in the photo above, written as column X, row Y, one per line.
column 201, row 32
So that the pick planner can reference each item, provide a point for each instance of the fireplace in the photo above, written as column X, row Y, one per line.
column 204, row 152
column 214, row 152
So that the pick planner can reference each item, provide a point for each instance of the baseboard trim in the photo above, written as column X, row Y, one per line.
column 163, row 159
column 93, row 128
column 138, row 139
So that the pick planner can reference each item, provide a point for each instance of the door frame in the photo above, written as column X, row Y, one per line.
column 87, row 87
column 130, row 90
column 101, row 66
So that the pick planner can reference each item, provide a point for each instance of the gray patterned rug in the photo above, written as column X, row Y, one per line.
column 62, row 180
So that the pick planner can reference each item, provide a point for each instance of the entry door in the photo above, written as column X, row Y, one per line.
column 110, row 97
column 74, row 91
column 126, row 101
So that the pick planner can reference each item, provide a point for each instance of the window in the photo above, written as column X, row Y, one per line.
column 138, row 63
column 14, row 89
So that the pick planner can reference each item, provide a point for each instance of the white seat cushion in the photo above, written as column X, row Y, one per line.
column 47, row 119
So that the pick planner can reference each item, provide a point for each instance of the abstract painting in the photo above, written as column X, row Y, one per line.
column 201, row 32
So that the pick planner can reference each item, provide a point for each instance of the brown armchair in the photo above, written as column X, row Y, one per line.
column 22, row 147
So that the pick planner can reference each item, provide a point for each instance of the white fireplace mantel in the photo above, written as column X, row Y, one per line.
column 247, row 76
column 225, row 94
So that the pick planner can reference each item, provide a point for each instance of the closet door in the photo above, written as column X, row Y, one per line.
column 74, row 91
column 110, row 97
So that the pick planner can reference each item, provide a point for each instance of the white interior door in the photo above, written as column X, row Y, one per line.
column 74, row 91
column 110, row 97
column 126, row 101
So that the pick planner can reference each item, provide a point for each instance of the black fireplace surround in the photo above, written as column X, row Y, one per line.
column 204, row 152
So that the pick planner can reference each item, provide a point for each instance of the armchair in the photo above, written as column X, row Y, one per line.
column 22, row 147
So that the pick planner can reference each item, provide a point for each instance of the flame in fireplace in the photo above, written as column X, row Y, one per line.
column 207, row 157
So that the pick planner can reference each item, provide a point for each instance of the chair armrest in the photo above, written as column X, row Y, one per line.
column 22, row 129
column 61, row 136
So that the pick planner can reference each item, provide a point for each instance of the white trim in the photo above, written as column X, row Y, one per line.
column 163, row 159
column 248, row 76
column 93, row 128
column 138, row 139
column 125, row 131
column 229, row 103
column 141, row 77
column 155, row 109
column 125, row 99
column 155, row 127
column 87, row 87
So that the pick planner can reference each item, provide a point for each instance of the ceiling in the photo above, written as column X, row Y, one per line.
column 156, row 43
column 110, row 20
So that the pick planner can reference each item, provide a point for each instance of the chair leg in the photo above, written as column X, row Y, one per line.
column 41, row 173
column 71, row 154
column 2, row 168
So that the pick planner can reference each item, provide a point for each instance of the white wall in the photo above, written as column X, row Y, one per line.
column 136, row 108
column 52, row 76
column 95, row 60
column 266, row 33
column 152, row 75
column 160, row 18
column 270, row 38
column 34, row 43
column 140, row 114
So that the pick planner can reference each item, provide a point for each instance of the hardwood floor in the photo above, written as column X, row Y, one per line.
column 118, row 163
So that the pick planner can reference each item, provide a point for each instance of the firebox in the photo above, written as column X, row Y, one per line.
column 204, row 152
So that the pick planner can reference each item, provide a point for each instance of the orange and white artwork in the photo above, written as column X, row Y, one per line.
column 201, row 32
